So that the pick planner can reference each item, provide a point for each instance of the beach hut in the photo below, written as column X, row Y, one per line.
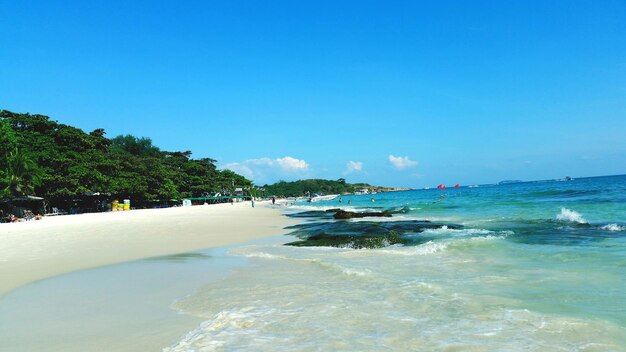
column 18, row 205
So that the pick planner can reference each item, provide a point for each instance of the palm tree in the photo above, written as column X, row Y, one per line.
column 21, row 174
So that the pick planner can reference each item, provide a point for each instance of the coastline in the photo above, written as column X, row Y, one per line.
column 38, row 250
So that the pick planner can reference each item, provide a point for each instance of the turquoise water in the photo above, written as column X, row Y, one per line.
column 538, row 266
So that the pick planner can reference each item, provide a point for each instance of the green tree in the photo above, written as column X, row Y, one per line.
column 312, row 186
column 66, row 162
column 135, row 146
column 8, row 143
column 21, row 175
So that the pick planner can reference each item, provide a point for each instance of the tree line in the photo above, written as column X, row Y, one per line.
column 307, row 188
column 39, row 156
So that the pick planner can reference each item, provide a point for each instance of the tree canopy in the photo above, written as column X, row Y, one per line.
column 43, row 157
column 316, row 186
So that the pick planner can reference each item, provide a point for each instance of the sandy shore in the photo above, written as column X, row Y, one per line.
column 36, row 250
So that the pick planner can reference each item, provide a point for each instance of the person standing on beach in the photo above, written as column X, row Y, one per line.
column 252, row 200
column 273, row 200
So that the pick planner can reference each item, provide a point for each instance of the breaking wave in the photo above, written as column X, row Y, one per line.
column 614, row 227
column 570, row 216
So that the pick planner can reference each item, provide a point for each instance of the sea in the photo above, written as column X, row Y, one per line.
column 529, row 266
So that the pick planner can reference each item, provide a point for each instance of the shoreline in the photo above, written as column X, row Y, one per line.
column 36, row 250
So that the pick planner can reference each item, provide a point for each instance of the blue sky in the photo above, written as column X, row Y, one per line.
column 388, row 92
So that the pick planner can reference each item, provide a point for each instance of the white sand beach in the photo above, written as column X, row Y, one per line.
column 36, row 250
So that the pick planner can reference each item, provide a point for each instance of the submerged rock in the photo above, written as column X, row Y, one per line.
column 350, row 241
column 342, row 214
column 320, row 214
column 363, row 234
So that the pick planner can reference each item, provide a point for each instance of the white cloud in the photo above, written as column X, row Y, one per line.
column 263, row 170
column 353, row 166
column 292, row 164
column 401, row 162
column 287, row 163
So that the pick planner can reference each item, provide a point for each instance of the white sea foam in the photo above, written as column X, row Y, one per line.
column 445, row 230
column 614, row 227
column 486, row 238
column 356, row 272
column 429, row 247
column 214, row 334
column 571, row 216
column 263, row 255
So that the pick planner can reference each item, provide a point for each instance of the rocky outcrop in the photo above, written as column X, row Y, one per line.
column 343, row 215
column 363, row 234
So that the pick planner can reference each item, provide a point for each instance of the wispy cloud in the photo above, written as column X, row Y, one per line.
column 241, row 169
column 401, row 162
column 266, row 169
column 353, row 166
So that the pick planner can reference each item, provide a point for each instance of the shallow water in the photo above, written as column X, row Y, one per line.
column 518, row 267
column 124, row 307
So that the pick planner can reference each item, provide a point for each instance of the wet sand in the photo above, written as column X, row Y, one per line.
column 36, row 250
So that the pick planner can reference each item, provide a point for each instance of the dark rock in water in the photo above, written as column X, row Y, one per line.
column 326, row 214
column 350, row 241
column 320, row 214
column 342, row 214
column 363, row 234
column 400, row 210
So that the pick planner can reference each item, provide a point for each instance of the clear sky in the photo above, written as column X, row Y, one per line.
column 387, row 92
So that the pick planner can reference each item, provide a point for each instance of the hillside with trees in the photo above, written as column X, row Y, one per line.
column 305, row 188
column 39, row 156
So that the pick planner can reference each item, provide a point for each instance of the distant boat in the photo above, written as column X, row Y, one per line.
column 321, row 198
column 564, row 179
column 505, row 182
column 472, row 186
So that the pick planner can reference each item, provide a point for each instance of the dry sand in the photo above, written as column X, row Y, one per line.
column 36, row 250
